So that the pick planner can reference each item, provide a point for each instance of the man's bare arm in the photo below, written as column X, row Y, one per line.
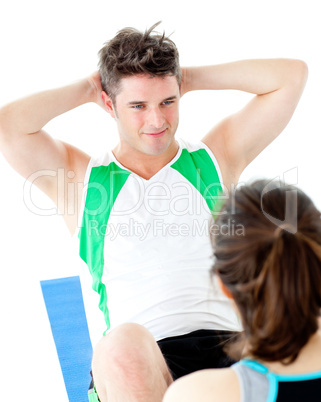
column 29, row 149
column 238, row 139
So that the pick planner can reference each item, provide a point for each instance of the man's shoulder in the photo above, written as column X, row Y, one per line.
column 202, row 156
column 103, row 158
column 191, row 145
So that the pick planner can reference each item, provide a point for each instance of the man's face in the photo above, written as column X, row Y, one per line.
column 147, row 113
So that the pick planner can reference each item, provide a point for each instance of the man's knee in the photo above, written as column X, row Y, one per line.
column 126, row 346
column 128, row 359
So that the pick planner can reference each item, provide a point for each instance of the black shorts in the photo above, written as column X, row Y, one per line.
column 197, row 350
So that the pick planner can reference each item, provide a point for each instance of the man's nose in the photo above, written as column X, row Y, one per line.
column 156, row 118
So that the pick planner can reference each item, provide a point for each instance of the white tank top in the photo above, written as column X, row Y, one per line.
column 147, row 243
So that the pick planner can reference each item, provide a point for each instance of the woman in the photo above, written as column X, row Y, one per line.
column 271, row 270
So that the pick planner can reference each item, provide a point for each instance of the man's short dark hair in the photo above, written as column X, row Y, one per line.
column 132, row 52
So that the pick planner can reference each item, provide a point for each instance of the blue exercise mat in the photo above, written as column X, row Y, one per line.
column 66, row 312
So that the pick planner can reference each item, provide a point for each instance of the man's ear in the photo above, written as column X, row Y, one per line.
column 108, row 103
column 224, row 288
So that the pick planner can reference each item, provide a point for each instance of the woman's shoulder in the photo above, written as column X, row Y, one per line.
column 212, row 385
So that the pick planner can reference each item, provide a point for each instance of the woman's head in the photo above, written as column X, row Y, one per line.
column 273, row 268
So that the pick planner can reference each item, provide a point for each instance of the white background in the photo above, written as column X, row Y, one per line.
column 47, row 44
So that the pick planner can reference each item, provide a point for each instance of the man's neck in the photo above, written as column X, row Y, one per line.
column 144, row 165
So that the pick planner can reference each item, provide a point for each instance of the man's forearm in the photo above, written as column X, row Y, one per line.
column 30, row 114
column 253, row 76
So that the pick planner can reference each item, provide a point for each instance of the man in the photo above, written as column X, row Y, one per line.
column 145, row 203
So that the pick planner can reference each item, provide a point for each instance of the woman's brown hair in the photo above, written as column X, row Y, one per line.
column 133, row 52
column 273, row 268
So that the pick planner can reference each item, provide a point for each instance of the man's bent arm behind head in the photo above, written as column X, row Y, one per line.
column 238, row 139
column 29, row 149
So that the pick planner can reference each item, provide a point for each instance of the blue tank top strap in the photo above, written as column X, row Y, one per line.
column 254, row 365
column 267, row 382
column 259, row 384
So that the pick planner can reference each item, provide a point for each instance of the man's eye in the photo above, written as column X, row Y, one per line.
column 138, row 107
column 167, row 103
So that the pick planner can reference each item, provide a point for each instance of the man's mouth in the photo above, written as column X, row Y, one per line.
column 156, row 135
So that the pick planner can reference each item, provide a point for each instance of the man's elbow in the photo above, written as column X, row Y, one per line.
column 6, row 127
column 299, row 73
column 3, row 135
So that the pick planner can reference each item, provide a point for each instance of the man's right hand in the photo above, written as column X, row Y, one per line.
column 95, row 82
